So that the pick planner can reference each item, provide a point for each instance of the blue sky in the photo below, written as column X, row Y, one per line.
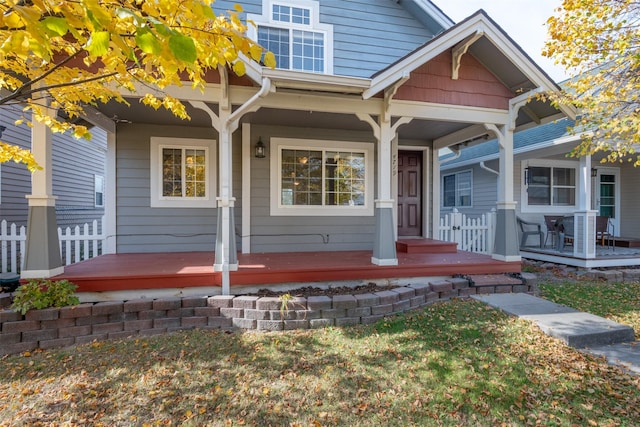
column 523, row 20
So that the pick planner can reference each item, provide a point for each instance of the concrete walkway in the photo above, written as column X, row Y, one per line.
column 586, row 332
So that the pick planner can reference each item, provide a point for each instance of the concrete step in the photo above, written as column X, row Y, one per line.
column 425, row 246
column 481, row 280
column 573, row 327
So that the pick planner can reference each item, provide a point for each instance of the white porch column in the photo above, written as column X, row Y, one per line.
column 384, row 247
column 584, row 223
column 110, row 222
column 435, row 185
column 42, row 258
column 505, row 246
column 226, row 255
column 226, row 122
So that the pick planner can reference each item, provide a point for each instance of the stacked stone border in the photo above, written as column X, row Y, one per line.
column 67, row 326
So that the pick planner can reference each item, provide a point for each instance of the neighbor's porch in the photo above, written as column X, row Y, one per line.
column 625, row 253
column 137, row 275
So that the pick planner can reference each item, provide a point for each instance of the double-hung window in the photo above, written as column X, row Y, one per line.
column 321, row 178
column 550, row 184
column 292, row 31
column 456, row 190
column 182, row 172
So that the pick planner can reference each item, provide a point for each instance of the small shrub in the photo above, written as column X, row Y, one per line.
column 44, row 294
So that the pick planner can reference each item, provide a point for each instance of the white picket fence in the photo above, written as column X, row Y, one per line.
column 471, row 234
column 76, row 244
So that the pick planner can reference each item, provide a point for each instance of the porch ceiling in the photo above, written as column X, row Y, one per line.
column 138, row 113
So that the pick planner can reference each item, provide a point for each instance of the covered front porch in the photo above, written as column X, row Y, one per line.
column 152, row 275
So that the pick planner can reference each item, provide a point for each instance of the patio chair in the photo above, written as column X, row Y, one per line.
column 602, row 231
column 530, row 229
column 565, row 231
column 551, row 222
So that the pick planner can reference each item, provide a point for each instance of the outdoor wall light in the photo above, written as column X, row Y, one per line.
column 260, row 154
column 594, row 172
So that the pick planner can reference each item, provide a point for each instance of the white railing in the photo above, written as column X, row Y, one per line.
column 471, row 234
column 12, row 243
column 76, row 244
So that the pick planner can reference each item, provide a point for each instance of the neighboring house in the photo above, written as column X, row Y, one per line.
column 546, row 181
column 78, row 175
column 334, row 150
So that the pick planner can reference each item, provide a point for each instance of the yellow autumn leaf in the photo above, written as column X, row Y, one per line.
column 182, row 37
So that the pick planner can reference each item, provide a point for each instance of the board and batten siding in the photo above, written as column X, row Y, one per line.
column 368, row 35
column 75, row 163
column 140, row 227
column 302, row 233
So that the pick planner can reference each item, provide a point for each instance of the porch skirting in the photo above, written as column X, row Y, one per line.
column 67, row 326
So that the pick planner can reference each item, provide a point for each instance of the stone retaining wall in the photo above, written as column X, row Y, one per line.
column 66, row 326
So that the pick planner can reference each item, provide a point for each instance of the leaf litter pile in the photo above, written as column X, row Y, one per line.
column 453, row 363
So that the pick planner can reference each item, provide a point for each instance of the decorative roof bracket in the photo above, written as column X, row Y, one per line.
column 390, row 92
column 460, row 49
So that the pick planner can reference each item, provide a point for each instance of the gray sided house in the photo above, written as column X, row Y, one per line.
column 78, row 175
column 335, row 149
column 547, row 181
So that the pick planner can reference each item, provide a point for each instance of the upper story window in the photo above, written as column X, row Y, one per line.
column 456, row 190
column 293, row 32
column 549, row 184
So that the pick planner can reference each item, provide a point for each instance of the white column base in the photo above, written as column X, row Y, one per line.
column 218, row 267
column 41, row 274
column 383, row 262
column 509, row 258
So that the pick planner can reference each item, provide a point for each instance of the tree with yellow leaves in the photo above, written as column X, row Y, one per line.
column 67, row 55
column 599, row 41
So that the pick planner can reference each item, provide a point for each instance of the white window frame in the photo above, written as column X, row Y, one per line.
column 456, row 206
column 315, row 26
column 553, row 164
column 160, row 201
column 278, row 209
column 98, row 187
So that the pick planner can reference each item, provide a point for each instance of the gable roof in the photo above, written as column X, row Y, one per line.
column 542, row 136
column 494, row 49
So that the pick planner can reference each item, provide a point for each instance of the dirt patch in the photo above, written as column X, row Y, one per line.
column 311, row 291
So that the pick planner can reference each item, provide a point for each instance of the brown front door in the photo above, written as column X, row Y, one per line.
column 409, row 193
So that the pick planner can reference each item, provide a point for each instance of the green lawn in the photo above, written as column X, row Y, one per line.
column 455, row 363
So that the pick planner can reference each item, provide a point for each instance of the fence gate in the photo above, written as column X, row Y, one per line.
column 471, row 234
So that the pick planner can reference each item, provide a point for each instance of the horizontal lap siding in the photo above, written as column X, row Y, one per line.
column 302, row 233
column 15, row 180
column 629, row 201
column 141, row 228
column 74, row 164
column 368, row 35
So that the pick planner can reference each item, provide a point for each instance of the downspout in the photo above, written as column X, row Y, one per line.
column 456, row 151
column 225, row 201
column 244, row 108
column 488, row 169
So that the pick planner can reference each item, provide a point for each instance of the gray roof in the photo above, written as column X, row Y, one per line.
column 522, row 140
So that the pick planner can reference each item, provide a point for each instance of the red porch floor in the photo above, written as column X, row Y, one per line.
column 193, row 269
